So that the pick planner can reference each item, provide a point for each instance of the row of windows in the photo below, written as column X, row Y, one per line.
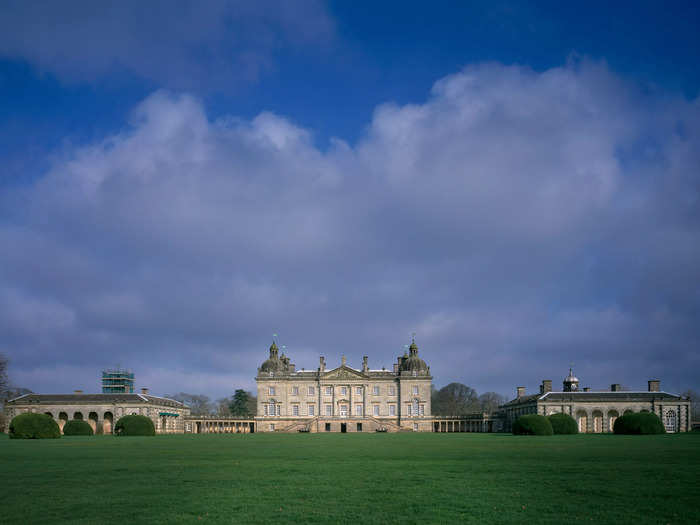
column 328, row 390
column 272, row 409
column 328, row 427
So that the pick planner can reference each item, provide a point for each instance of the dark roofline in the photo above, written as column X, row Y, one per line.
column 598, row 393
column 94, row 398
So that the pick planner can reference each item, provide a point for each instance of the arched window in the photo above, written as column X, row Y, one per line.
column 670, row 421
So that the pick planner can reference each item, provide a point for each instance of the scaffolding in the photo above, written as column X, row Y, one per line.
column 117, row 381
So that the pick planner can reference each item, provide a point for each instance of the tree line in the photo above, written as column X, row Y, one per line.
column 457, row 399
column 241, row 404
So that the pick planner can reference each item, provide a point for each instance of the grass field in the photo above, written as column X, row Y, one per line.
column 370, row 478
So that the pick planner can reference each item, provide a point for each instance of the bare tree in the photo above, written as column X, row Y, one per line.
column 4, row 384
column 455, row 399
column 222, row 407
column 490, row 401
column 4, row 381
column 694, row 404
column 199, row 405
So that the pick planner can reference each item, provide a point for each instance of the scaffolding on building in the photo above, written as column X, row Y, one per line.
column 117, row 381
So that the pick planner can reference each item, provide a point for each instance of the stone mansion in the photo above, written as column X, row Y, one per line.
column 347, row 399
column 344, row 399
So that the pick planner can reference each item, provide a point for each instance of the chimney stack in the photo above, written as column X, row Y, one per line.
column 616, row 387
column 546, row 386
column 77, row 391
column 144, row 391
column 322, row 364
column 521, row 391
column 396, row 368
column 654, row 385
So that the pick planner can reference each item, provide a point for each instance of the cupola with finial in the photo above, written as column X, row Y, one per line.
column 571, row 382
column 413, row 363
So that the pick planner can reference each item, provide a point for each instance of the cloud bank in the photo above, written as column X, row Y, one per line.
column 516, row 220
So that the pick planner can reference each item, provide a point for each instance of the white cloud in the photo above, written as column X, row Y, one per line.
column 514, row 220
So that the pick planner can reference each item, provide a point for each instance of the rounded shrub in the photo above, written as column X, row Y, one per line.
column 563, row 424
column 33, row 426
column 532, row 425
column 134, row 425
column 639, row 423
column 77, row 427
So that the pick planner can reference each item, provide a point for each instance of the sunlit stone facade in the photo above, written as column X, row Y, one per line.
column 344, row 399
column 596, row 411
column 102, row 411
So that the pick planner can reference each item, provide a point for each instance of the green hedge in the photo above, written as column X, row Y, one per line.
column 639, row 423
column 134, row 425
column 532, row 425
column 34, row 426
column 563, row 424
column 77, row 427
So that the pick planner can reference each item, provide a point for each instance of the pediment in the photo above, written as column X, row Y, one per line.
column 343, row 372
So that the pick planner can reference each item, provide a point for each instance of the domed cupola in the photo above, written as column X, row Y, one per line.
column 273, row 363
column 571, row 382
column 413, row 363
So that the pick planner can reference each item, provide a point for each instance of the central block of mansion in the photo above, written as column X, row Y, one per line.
column 344, row 399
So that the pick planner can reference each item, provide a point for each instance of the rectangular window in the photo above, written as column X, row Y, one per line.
column 329, row 390
column 311, row 391
column 392, row 391
column 359, row 427
column 392, row 410
column 328, row 427
column 295, row 410
column 279, row 409
column 422, row 410
column 329, row 410
column 312, row 410
column 375, row 390
column 272, row 427
column 358, row 390
column 375, row 410
column 343, row 411
column 409, row 410
column 415, row 390
column 343, row 391
column 295, row 390
column 266, row 412
column 358, row 410
column 271, row 391
column 415, row 427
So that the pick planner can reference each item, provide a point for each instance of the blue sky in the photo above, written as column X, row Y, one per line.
column 516, row 183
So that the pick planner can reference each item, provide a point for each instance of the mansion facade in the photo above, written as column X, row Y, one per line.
column 596, row 411
column 344, row 399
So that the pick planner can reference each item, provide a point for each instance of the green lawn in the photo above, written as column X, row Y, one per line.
column 371, row 478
